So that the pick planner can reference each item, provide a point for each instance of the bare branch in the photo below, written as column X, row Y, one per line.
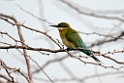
column 100, row 42
column 42, row 69
column 23, row 44
column 64, row 50
column 49, row 62
column 82, row 79
column 15, row 70
column 91, row 14
column 118, row 37
column 6, row 69
column 44, row 20
column 5, row 77
column 10, row 36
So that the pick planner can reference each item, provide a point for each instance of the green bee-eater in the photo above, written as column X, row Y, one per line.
column 71, row 38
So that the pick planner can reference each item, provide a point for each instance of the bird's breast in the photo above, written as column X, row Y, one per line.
column 68, row 43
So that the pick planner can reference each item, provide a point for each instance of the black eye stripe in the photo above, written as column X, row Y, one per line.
column 62, row 26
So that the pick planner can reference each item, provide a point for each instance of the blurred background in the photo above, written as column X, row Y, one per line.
column 100, row 24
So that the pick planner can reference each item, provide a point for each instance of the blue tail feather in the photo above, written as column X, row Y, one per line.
column 90, row 54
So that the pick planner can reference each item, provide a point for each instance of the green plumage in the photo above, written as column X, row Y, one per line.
column 72, row 39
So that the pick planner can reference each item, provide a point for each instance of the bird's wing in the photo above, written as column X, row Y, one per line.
column 73, row 37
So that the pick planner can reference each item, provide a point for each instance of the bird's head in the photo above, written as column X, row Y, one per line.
column 62, row 26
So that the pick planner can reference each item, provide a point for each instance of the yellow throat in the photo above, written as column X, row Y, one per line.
column 61, row 29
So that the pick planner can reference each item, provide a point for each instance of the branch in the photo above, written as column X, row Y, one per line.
column 49, row 62
column 42, row 69
column 100, row 42
column 6, row 69
column 91, row 14
column 118, row 37
column 10, row 36
column 65, row 50
column 82, row 79
column 14, row 69
column 5, row 77
column 23, row 44
column 44, row 20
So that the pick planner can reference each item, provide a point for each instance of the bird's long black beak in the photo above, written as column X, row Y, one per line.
column 54, row 25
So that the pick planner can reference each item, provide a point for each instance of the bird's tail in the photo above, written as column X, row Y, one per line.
column 96, row 59
column 91, row 55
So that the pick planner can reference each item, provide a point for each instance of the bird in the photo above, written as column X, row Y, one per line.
column 71, row 39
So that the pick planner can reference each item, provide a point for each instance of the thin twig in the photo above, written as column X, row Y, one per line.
column 6, row 69
column 42, row 69
column 44, row 20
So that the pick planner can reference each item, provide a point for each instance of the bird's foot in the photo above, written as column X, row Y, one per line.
column 68, row 49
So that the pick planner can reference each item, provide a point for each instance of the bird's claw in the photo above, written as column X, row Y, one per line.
column 68, row 49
